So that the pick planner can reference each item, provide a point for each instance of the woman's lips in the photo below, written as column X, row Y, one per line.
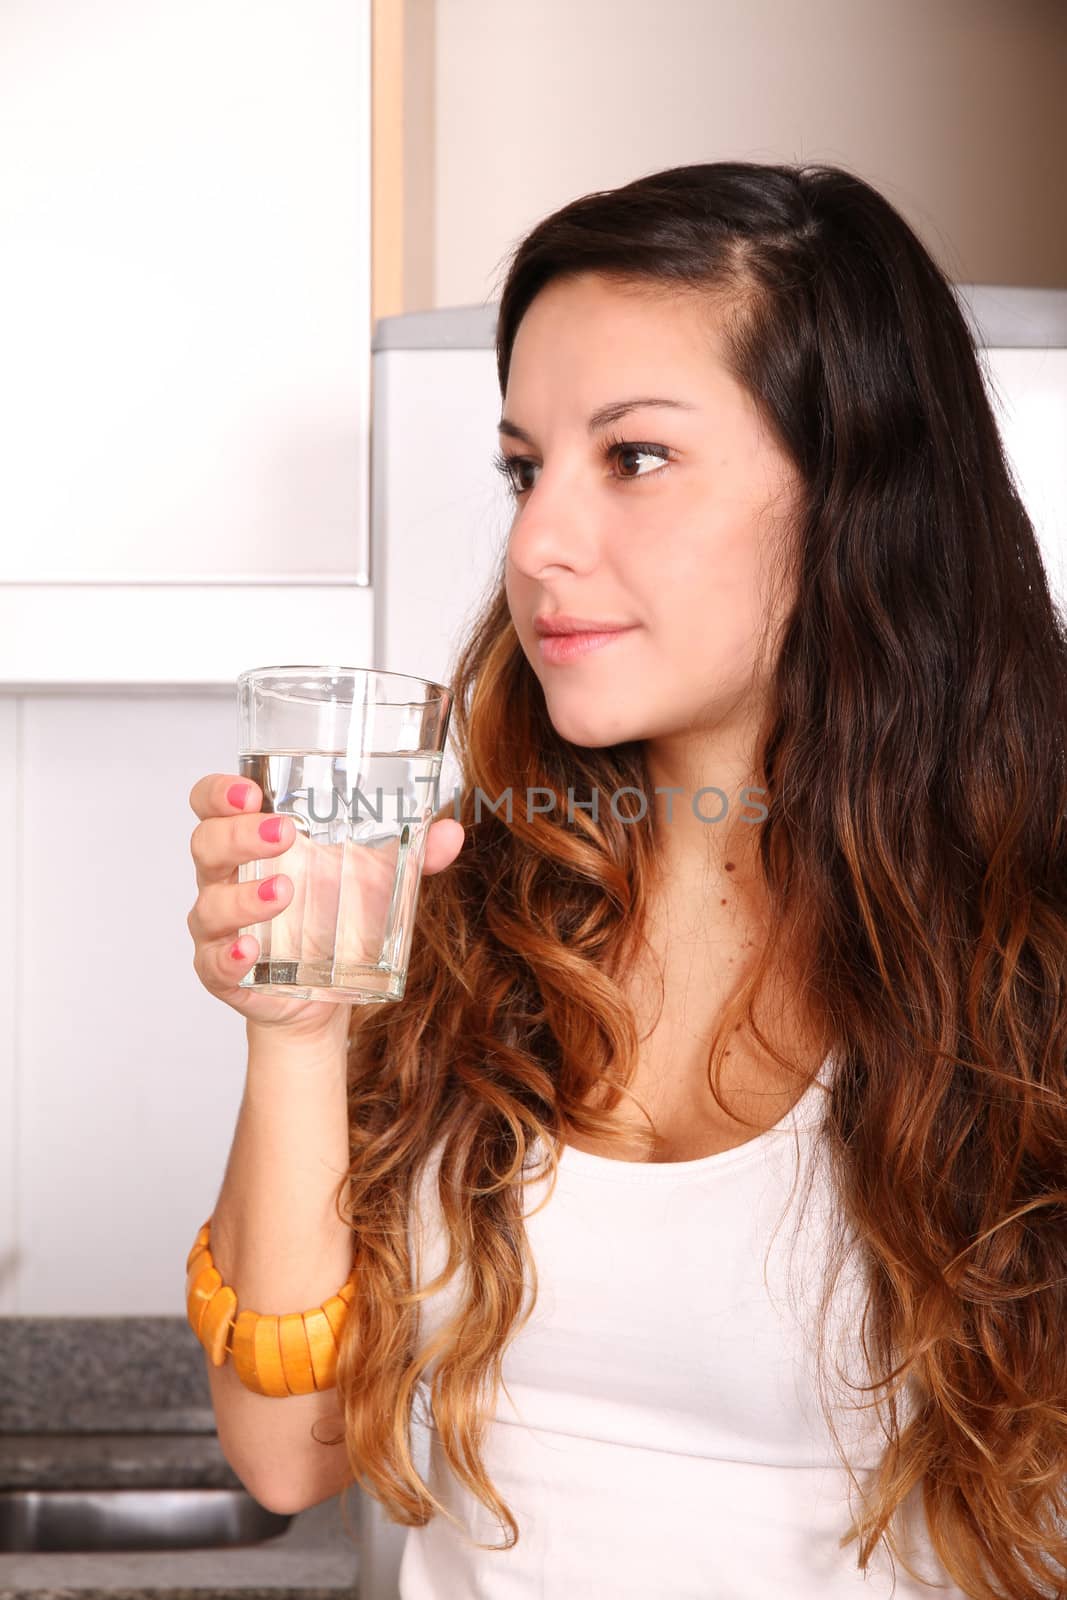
column 561, row 647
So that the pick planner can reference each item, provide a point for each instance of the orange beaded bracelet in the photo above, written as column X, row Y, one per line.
column 295, row 1353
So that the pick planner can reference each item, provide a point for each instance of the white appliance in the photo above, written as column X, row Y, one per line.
column 440, row 514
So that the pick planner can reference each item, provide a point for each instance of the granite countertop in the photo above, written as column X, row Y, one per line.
column 98, row 1405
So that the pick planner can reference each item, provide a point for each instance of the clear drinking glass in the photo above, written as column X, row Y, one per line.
column 353, row 755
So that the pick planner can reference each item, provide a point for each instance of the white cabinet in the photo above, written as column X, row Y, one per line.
column 121, row 1074
column 185, row 320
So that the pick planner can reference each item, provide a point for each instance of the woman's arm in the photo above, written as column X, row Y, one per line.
column 277, row 1240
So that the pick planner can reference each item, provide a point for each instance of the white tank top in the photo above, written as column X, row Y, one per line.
column 658, row 1436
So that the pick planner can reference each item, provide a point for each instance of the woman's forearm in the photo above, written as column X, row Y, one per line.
column 277, row 1241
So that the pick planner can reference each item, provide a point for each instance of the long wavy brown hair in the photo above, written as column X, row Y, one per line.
column 914, row 858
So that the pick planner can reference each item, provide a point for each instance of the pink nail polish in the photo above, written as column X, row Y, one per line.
column 237, row 793
column 271, row 829
column 268, row 889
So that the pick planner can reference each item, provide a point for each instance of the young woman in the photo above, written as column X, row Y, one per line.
column 707, row 1191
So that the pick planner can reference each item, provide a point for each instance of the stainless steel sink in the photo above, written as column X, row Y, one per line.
column 133, row 1519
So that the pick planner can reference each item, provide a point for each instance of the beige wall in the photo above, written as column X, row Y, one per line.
column 956, row 109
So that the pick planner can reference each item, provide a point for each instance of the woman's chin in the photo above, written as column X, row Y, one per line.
column 593, row 733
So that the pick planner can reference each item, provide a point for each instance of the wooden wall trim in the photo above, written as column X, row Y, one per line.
column 402, row 153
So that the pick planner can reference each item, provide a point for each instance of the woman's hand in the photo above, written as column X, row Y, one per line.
column 228, row 835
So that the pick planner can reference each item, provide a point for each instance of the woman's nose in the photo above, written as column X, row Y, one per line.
column 553, row 532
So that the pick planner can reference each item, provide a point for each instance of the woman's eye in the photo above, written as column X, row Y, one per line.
column 511, row 466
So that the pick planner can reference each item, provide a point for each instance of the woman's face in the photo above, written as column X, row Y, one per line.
column 671, row 534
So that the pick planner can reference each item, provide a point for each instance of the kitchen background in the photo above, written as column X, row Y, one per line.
column 206, row 212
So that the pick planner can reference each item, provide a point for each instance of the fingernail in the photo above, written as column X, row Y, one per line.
column 268, row 889
column 271, row 829
column 237, row 794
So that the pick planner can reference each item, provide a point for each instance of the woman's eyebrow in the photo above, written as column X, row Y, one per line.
column 602, row 418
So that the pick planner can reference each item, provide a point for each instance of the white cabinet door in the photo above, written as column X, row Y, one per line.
column 123, row 1078
column 185, row 319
